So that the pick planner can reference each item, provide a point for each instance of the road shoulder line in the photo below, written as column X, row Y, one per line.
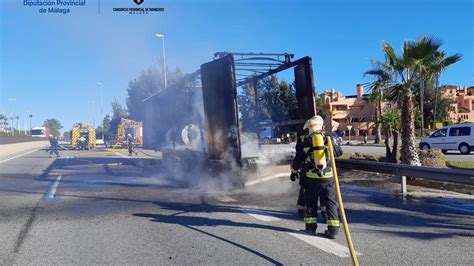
column 52, row 192
column 324, row 244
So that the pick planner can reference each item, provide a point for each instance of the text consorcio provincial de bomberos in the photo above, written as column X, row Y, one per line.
column 54, row 2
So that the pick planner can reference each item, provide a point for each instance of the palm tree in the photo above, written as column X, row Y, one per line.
column 405, row 69
column 438, row 64
column 391, row 125
column 429, row 72
column 376, row 88
column 3, row 123
column 330, row 113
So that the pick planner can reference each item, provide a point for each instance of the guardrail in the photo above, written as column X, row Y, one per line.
column 403, row 170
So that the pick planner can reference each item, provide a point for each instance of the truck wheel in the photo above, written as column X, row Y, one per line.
column 266, row 141
column 425, row 147
column 464, row 148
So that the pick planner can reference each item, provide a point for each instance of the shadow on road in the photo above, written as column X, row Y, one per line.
column 210, row 208
column 191, row 222
column 411, row 213
column 265, row 257
column 78, row 164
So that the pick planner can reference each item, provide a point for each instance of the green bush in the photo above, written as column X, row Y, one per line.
column 432, row 158
column 367, row 157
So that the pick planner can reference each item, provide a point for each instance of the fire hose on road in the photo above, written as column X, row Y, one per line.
column 341, row 206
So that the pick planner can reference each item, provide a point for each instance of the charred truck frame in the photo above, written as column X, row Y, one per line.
column 209, row 97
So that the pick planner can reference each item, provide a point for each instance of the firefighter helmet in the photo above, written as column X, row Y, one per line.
column 314, row 124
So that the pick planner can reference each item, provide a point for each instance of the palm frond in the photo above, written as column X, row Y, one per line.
column 423, row 48
column 395, row 92
column 390, row 55
column 447, row 61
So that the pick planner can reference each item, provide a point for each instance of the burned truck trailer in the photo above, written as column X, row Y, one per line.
column 207, row 102
column 174, row 115
column 220, row 79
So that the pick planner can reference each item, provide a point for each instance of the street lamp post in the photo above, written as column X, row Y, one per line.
column 162, row 36
column 17, row 118
column 12, row 128
column 12, row 99
column 30, row 116
column 93, row 114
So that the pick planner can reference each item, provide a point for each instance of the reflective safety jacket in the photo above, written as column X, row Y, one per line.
column 304, row 160
column 53, row 142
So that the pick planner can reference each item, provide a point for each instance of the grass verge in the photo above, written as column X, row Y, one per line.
column 460, row 164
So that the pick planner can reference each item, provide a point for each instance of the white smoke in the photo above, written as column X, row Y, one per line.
column 189, row 166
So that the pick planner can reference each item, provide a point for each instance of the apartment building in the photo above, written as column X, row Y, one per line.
column 353, row 112
column 462, row 108
column 357, row 113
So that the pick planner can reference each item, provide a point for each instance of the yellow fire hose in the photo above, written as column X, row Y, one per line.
column 341, row 206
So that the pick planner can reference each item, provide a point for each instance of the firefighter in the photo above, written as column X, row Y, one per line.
column 81, row 145
column 53, row 142
column 300, row 205
column 130, row 144
column 312, row 165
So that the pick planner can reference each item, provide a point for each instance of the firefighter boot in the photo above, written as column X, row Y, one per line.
column 331, row 232
column 311, row 229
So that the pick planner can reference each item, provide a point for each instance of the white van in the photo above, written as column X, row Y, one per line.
column 455, row 137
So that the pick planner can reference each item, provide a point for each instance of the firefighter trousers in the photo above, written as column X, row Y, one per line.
column 326, row 194
column 300, row 203
column 54, row 150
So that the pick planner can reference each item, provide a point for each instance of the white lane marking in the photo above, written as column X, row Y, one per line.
column 263, row 179
column 53, row 189
column 224, row 198
column 324, row 244
column 259, row 214
column 6, row 160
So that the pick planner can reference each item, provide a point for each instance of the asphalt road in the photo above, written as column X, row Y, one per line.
column 98, row 207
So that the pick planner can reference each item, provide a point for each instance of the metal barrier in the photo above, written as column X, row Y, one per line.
column 403, row 170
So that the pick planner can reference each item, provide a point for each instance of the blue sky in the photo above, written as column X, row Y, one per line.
column 50, row 63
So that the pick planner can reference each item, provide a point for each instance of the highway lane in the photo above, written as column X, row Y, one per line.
column 109, row 209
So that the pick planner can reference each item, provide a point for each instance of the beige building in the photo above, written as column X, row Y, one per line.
column 462, row 110
column 354, row 112
column 357, row 113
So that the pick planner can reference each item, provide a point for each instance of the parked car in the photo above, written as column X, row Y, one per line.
column 337, row 136
column 455, row 137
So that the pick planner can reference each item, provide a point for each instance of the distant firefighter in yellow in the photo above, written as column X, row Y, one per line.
column 312, row 165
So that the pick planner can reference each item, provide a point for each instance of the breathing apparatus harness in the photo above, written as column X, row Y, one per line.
column 319, row 152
